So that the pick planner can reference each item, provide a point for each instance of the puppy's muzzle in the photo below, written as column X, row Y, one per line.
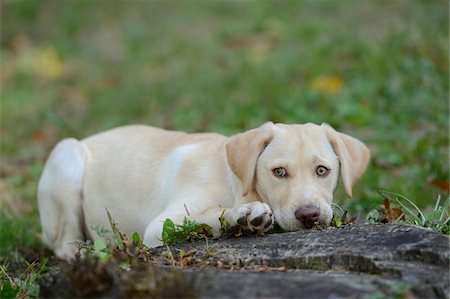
column 308, row 215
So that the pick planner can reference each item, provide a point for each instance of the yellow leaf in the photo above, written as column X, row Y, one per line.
column 327, row 84
column 47, row 64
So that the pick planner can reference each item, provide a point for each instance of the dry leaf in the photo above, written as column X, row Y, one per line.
column 46, row 63
column 444, row 185
column 392, row 214
column 327, row 84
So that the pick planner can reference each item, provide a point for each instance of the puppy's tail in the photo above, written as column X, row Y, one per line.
column 60, row 197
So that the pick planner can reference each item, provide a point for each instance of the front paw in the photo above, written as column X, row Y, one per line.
column 253, row 217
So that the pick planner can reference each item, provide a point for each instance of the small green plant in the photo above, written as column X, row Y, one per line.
column 224, row 225
column 438, row 219
column 340, row 216
column 187, row 232
column 25, row 285
column 118, row 246
column 99, row 248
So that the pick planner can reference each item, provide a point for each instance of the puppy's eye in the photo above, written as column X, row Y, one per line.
column 280, row 172
column 322, row 171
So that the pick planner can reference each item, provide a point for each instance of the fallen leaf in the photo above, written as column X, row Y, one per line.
column 186, row 261
column 444, row 185
column 392, row 214
column 262, row 268
column 39, row 136
column 46, row 63
column 223, row 266
column 327, row 84
column 259, row 46
column 281, row 269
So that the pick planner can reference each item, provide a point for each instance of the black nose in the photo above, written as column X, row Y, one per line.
column 308, row 215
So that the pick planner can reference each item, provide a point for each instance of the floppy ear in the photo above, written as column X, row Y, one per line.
column 243, row 151
column 353, row 155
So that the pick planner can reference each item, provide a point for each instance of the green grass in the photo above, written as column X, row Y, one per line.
column 17, row 232
column 438, row 219
column 25, row 284
column 377, row 70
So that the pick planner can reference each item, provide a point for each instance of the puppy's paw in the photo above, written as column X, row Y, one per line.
column 66, row 252
column 252, row 217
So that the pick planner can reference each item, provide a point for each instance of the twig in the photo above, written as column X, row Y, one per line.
column 171, row 255
column 185, row 207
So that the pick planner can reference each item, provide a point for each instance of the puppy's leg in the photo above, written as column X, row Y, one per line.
column 254, row 216
column 60, row 196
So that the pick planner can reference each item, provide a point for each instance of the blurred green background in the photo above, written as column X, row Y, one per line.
column 377, row 70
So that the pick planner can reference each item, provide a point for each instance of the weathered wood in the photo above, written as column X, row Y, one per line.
column 359, row 261
column 351, row 261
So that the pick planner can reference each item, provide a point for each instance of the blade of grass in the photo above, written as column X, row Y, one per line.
column 400, row 217
column 435, row 210
column 5, row 273
column 337, row 209
column 436, row 206
column 419, row 220
column 445, row 209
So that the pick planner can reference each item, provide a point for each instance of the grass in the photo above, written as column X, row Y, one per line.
column 438, row 219
column 25, row 285
column 377, row 70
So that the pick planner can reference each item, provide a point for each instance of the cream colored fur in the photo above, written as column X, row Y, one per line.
column 144, row 175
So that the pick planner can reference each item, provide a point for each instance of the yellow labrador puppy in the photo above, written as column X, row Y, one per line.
column 143, row 175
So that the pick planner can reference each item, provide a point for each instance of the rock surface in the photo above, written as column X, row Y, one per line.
column 359, row 261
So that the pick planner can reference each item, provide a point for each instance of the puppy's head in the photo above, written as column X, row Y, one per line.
column 295, row 169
